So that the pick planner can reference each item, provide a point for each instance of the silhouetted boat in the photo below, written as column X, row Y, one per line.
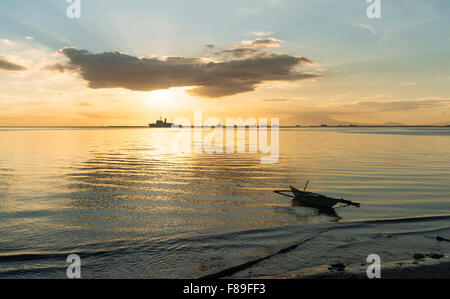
column 313, row 199
column 161, row 124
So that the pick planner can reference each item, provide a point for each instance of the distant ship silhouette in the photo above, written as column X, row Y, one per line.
column 161, row 124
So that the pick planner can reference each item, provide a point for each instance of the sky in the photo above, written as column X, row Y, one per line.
column 305, row 62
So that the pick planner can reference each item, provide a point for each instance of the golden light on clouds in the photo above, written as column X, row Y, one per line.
column 40, row 86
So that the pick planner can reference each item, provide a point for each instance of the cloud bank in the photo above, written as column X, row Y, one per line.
column 10, row 66
column 242, row 73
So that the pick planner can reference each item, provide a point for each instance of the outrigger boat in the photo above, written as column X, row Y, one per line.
column 313, row 199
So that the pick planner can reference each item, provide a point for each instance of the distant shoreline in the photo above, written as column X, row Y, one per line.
column 281, row 127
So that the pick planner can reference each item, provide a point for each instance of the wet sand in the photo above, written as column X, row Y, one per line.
column 438, row 271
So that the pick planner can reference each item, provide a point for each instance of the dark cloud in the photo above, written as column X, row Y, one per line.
column 59, row 67
column 242, row 53
column 210, row 79
column 10, row 66
column 246, row 52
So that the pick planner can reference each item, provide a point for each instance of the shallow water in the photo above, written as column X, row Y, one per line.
column 130, row 207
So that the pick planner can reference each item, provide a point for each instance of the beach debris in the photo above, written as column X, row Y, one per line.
column 418, row 256
column 435, row 256
column 382, row 236
column 337, row 267
column 440, row 239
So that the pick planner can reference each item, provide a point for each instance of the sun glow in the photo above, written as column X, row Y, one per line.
column 162, row 98
column 168, row 99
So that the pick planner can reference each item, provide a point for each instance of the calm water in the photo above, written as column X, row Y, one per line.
column 130, row 207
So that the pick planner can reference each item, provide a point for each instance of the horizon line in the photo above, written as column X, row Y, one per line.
column 291, row 126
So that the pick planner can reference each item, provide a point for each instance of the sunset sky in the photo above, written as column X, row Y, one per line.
column 306, row 62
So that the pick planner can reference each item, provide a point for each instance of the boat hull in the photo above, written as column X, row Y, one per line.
column 313, row 199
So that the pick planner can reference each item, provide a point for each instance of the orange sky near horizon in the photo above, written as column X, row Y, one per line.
column 350, row 69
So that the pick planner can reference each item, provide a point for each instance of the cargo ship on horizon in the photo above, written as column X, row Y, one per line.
column 161, row 124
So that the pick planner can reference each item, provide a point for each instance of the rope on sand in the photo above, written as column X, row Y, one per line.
column 238, row 268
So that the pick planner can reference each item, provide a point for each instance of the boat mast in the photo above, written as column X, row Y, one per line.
column 304, row 189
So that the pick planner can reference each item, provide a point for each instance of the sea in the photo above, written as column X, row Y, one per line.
column 130, row 207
